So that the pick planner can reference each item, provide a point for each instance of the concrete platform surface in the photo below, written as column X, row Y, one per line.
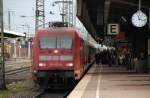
column 112, row 82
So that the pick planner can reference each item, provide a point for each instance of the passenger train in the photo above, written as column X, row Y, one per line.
column 61, row 55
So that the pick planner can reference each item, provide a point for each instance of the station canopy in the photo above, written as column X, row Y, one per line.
column 12, row 34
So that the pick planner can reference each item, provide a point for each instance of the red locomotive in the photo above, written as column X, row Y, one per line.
column 60, row 56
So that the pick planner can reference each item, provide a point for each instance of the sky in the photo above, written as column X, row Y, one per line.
column 18, row 8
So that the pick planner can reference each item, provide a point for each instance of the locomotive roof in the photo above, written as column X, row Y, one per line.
column 58, row 29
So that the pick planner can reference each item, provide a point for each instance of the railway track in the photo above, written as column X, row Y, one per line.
column 42, row 94
column 18, row 70
column 28, row 94
column 53, row 94
column 14, row 63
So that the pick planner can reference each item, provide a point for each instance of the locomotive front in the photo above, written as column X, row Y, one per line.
column 53, row 57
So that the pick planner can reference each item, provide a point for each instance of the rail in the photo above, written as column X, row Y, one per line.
column 18, row 70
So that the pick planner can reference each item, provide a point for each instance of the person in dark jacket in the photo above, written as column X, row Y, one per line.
column 97, row 58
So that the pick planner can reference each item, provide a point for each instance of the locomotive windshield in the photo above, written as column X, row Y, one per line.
column 55, row 42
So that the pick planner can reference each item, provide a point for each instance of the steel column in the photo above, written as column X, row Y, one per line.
column 40, row 14
column 2, row 58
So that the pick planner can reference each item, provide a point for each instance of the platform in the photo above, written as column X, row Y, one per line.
column 112, row 82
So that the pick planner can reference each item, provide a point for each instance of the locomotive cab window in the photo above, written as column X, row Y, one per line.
column 47, row 43
column 51, row 42
column 43, row 43
column 64, row 43
column 56, row 42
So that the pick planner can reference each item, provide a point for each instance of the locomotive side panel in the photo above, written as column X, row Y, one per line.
column 77, row 59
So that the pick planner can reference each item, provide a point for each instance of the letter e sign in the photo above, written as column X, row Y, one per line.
column 113, row 29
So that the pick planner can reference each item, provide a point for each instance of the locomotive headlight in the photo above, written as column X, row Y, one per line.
column 56, row 51
column 42, row 64
column 34, row 71
column 69, row 64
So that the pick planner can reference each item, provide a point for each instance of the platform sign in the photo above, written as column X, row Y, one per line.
column 113, row 29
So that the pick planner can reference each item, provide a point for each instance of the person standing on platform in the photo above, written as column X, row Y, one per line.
column 128, row 60
column 109, row 58
column 97, row 59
